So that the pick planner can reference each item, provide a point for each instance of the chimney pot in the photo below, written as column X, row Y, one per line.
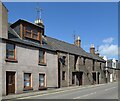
column 78, row 41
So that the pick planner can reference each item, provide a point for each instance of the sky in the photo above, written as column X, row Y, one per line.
column 95, row 22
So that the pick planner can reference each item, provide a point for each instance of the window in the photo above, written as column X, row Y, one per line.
column 83, row 61
column 41, row 80
column 63, row 60
column 100, row 66
column 27, row 31
column 73, row 78
column 93, row 65
column 27, row 80
column 75, row 62
column 87, row 74
column 41, row 56
column 35, row 34
column 63, row 75
column 31, row 33
column 10, row 51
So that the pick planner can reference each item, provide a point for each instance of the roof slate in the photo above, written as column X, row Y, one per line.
column 71, row 48
column 53, row 44
column 13, row 36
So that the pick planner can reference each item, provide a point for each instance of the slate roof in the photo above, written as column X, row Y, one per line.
column 52, row 44
column 96, row 57
column 70, row 48
column 13, row 36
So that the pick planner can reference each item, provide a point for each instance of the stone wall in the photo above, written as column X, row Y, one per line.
column 27, row 58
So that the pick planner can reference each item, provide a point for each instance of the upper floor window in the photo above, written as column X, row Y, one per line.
column 84, row 61
column 42, row 57
column 93, row 65
column 32, row 33
column 63, row 60
column 75, row 61
column 35, row 34
column 10, row 51
column 100, row 65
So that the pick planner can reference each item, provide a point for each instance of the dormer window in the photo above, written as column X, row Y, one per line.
column 28, row 32
column 31, row 33
column 35, row 34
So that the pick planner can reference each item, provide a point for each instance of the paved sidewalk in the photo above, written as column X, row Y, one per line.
column 33, row 93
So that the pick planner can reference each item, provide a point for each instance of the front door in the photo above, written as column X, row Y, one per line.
column 10, row 82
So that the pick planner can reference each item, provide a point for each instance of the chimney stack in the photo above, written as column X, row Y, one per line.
column 3, row 21
column 39, row 22
column 78, row 42
column 92, row 49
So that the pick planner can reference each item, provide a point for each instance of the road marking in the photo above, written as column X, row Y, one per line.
column 50, row 93
column 84, row 95
column 56, row 92
column 110, row 88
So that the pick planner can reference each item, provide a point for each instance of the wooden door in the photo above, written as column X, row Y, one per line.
column 10, row 82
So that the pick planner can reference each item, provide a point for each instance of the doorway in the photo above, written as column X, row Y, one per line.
column 77, row 78
column 94, row 78
column 10, row 83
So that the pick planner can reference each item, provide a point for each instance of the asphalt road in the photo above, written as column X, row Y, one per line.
column 105, row 91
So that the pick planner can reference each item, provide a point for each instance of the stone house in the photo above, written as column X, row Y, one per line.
column 26, row 58
column 76, row 66
column 112, row 68
column 33, row 61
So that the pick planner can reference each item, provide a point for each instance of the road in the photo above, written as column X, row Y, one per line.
column 104, row 91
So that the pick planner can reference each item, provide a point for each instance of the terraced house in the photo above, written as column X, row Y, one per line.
column 28, row 62
column 33, row 61
column 77, row 67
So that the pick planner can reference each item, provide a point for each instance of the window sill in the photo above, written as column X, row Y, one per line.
column 42, row 88
column 28, row 88
column 11, row 60
column 42, row 64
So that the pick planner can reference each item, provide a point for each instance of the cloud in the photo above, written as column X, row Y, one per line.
column 108, row 40
column 108, row 48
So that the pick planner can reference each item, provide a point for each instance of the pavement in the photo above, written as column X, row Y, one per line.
column 100, row 91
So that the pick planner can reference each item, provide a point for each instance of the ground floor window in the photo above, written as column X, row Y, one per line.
column 41, row 80
column 63, row 75
column 73, row 79
column 27, row 80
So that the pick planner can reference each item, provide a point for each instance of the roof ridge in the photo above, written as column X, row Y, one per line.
column 65, row 42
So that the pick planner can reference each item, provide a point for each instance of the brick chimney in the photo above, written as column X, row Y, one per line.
column 78, row 42
column 92, row 49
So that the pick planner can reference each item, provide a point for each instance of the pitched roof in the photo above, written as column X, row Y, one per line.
column 71, row 48
column 13, row 36
column 52, row 44
column 25, row 21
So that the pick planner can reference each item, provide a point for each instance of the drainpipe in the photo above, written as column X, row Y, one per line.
column 68, row 71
